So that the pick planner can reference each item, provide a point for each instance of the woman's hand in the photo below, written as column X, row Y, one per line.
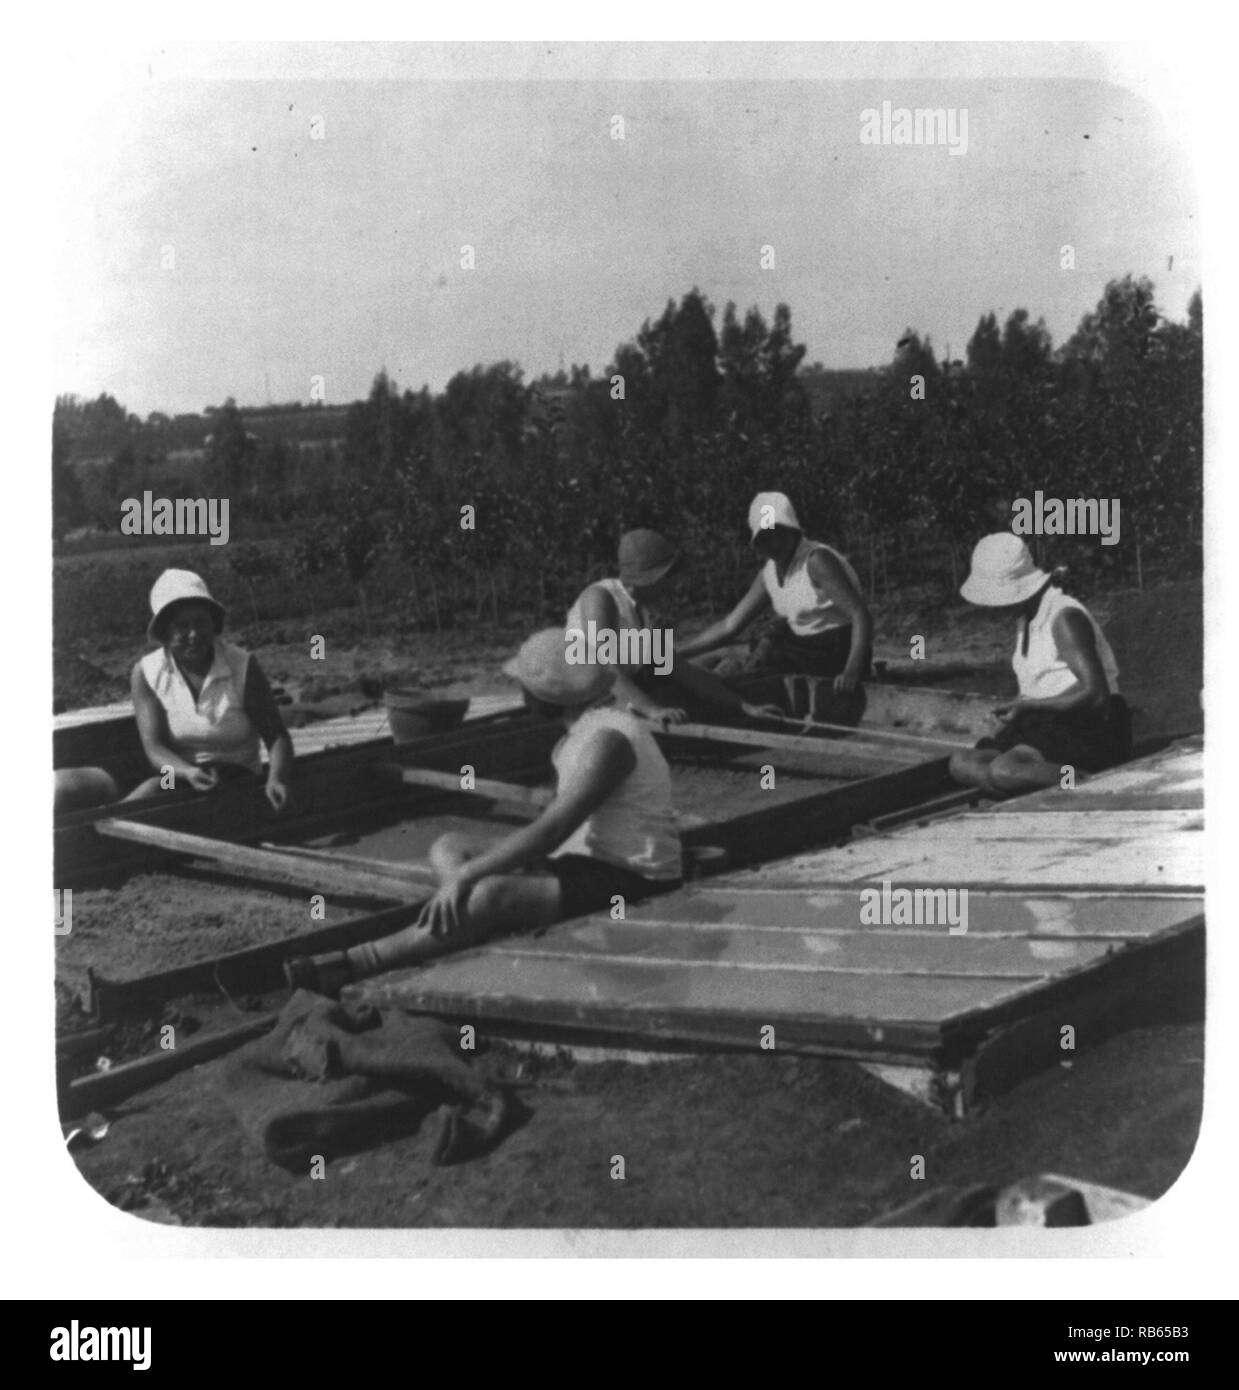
column 661, row 714
column 1006, row 713
column 202, row 779
column 446, row 912
column 277, row 793
column 847, row 680
column 761, row 711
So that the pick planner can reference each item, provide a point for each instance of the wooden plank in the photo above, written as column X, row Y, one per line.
column 508, row 793
column 833, row 911
column 402, row 869
column 1161, row 849
column 317, row 874
column 531, row 988
column 680, row 1006
column 1162, row 985
column 251, row 969
column 922, row 813
column 117, row 1083
column 804, row 746
column 859, row 951
column 873, row 733
column 1135, row 864
column 818, row 820
column 1174, row 956
column 856, row 1015
column 1069, row 824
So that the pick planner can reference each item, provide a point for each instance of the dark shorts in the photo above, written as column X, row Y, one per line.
column 587, row 884
column 135, row 772
column 1092, row 740
column 776, row 649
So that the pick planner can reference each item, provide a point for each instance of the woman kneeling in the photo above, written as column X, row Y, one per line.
column 1069, row 714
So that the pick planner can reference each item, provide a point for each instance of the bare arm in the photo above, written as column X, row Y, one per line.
column 1073, row 633
column 705, row 685
column 606, row 760
column 718, row 634
column 599, row 607
column 832, row 581
column 265, row 714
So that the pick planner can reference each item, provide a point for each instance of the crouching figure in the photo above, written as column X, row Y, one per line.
column 1069, row 713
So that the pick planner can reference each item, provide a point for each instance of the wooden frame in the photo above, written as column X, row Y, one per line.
column 321, row 873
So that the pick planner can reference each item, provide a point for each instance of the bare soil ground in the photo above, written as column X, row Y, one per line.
column 1157, row 635
column 720, row 1141
column 723, row 1140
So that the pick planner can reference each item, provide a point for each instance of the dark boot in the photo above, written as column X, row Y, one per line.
column 326, row 974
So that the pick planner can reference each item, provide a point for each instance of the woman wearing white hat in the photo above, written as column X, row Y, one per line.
column 202, row 706
column 821, row 623
column 610, row 832
column 1069, row 712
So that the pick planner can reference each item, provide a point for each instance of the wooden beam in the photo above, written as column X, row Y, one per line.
column 252, row 969
column 414, row 870
column 789, row 743
column 396, row 883
column 510, row 793
column 775, row 832
column 1161, row 983
column 108, row 1087
column 869, row 731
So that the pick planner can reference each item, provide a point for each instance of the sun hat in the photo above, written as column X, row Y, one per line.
column 178, row 586
column 543, row 668
column 644, row 557
column 1002, row 572
column 770, row 509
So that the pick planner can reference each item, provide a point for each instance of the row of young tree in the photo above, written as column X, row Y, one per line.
column 499, row 494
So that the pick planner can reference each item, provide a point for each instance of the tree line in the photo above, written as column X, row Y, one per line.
column 501, row 494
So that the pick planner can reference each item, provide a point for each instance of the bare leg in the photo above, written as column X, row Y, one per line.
column 453, row 850
column 971, row 769
column 704, row 685
column 146, row 789
column 497, row 904
column 78, row 788
column 1019, row 769
column 1022, row 769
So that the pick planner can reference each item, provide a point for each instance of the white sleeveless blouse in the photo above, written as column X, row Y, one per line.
column 635, row 826
column 214, row 728
column 629, row 611
column 1043, row 673
column 797, row 600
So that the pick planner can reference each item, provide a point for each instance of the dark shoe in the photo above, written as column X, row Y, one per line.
column 326, row 975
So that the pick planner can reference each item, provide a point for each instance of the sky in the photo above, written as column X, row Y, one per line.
column 264, row 237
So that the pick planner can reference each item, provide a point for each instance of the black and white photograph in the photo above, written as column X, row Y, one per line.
column 628, row 632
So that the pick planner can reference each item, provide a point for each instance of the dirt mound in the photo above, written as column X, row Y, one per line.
column 1158, row 638
column 78, row 682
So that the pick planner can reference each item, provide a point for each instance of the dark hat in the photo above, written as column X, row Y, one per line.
column 644, row 557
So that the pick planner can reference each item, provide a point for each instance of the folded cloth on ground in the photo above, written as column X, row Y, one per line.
column 332, row 1078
